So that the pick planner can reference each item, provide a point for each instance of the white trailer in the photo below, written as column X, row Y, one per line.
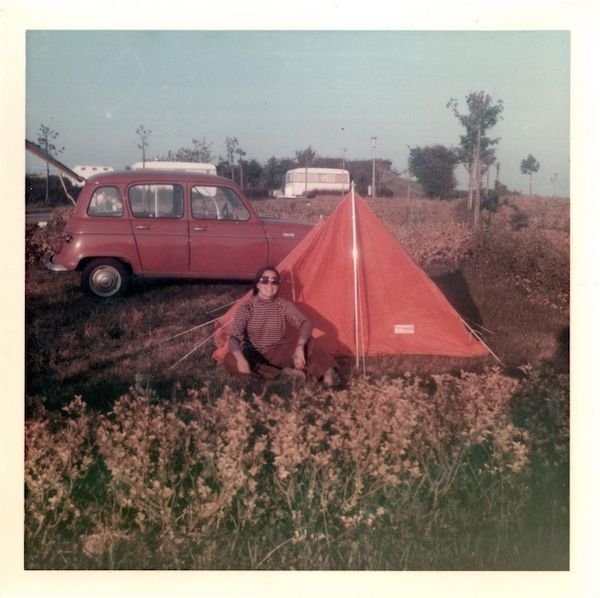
column 197, row 167
column 86, row 171
column 299, row 181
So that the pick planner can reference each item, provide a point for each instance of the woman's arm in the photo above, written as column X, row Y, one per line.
column 236, row 350
column 299, row 356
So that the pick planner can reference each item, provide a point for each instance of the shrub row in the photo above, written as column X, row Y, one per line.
column 409, row 473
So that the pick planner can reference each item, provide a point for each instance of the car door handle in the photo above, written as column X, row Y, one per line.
column 199, row 228
column 143, row 227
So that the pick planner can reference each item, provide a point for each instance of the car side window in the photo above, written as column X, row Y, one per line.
column 105, row 202
column 217, row 203
column 156, row 201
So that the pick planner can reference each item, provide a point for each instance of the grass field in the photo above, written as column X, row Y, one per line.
column 134, row 460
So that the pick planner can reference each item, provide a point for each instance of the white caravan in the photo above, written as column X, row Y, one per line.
column 299, row 181
column 196, row 167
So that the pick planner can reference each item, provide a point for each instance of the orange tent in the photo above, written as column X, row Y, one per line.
column 364, row 294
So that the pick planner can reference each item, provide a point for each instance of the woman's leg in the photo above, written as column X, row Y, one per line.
column 258, row 365
column 318, row 361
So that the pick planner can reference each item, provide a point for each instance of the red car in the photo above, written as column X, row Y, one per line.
column 158, row 223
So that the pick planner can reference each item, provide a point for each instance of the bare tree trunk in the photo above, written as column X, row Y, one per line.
column 47, row 181
column 305, row 179
column 477, row 207
column 471, row 179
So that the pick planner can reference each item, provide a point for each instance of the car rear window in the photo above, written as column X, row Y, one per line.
column 156, row 201
column 105, row 202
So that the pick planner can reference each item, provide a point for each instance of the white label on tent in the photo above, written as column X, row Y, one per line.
column 404, row 329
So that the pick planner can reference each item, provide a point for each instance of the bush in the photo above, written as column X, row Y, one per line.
column 40, row 241
column 384, row 191
column 35, row 191
column 399, row 467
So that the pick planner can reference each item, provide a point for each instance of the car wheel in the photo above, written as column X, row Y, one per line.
column 105, row 277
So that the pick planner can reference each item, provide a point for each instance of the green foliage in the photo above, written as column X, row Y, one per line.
column 482, row 114
column 41, row 241
column 306, row 156
column 433, row 166
column 35, row 191
column 529, row 165
column 200, row 151
column 143, row 135
column 46, row 139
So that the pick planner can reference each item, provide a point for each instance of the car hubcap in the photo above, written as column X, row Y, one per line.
column 105, row 281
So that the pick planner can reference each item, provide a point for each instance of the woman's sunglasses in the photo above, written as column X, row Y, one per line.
column 268, row 279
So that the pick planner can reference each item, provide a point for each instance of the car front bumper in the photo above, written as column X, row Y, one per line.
column 54, row 267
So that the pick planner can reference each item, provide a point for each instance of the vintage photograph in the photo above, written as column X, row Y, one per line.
column 297, row 299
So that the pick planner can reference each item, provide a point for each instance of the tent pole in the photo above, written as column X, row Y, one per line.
column 355, row 262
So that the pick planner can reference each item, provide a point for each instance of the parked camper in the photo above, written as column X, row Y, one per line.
column 195, row 167
column 298, row 181
column 86, row 171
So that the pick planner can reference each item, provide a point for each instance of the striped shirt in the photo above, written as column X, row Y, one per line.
column 263, row 323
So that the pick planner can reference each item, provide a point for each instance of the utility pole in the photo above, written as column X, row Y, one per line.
column 373, row 145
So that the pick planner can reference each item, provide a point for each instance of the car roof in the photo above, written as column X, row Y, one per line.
column 161, row 176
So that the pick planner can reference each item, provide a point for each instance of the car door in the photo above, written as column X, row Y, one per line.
column 160, row 228
column 226, row 239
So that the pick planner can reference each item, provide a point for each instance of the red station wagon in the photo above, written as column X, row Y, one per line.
column 158, row 223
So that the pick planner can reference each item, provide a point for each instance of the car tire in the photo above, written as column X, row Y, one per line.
column 104, row 278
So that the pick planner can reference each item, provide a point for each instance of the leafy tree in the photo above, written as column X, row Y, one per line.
column 305, row 158
column 231, row 144
column 254, row 172
column 433, row 167
column 476, row 149
column 46, row 138
column 199, row 152
column 274, row 172
column 241, row 153
column 143, row 134
column 529, row 165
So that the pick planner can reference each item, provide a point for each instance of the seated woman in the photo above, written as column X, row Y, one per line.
column 270, row 334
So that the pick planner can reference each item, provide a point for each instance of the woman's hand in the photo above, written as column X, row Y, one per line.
column 242, row 364
column 299, row 358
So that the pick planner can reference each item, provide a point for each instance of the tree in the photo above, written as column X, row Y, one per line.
column 143, row 134
column 528, row 166
column 46, row 139
column 199, row 152
column 275, row 170
column 482, row 115
column 433, row 167
column 254, row 172
column 231, row 144
column 241, row 153
column 305, row 157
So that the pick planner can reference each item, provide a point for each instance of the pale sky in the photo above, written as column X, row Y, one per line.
column 280, row 91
